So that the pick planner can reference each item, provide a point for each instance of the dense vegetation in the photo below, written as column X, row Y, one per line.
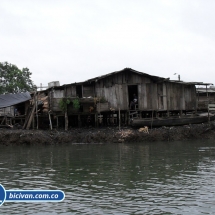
column 15, row 80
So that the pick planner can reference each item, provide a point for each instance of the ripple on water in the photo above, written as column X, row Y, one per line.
column 114, row 179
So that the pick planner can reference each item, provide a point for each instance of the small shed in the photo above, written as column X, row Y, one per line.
column 13, row 106
column 205, row 96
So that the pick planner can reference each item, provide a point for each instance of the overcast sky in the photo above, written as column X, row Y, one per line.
column 75, row 40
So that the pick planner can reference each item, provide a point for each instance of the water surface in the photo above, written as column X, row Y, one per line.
column 146, row 178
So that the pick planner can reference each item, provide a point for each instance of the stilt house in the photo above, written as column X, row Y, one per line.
column 106, row 99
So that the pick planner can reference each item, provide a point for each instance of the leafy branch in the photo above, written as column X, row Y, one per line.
column 63, row 104
column 76, row 104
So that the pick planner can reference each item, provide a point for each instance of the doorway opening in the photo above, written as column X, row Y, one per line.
column 79, row 91
column 132, row 89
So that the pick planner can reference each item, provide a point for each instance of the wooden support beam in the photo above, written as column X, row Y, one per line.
column 31, row 116
column 66, row 121
column 152, row 119
column 50, row 120
column 33, row 122
column 3, row 120
column 27, row 117
column 96, row 119
column 57, row 121
column 36, row 101
column 119, row 118
column 79, row 120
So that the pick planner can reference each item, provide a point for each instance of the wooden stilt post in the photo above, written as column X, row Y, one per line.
column 66, row 111
column 126, row 118
column 208, row 105
column 37, row 110
column 57, row 121
column 66, row 120
column 152, row 119
column 30, row 116
column 96, row 119
column 208, row 115
column 119, row 119
column 50, row 121
column 33, row 122
column 79, row 120
column 3, row 120
column 27, row 117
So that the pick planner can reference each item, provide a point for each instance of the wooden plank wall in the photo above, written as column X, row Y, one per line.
column 151, row 95
column 115, row 88
column 54, row 99
column 58, row 93
column 55, row 104
column 7, row 110
column 122, row 78
column 203, row 97
column 160, row 96
column 71, row 90
column 88, row 91
column 142, row 98
column 180, row 96
column 115, row 95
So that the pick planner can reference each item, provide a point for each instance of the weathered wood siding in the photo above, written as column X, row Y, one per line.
column 151, row 95
column 88, row 91
column 123, row 78
column 116, row 95
column 115, row 89
column 58, row 93
column 7, row 111
column 142, row 97
column 180, row 96
column 203, row 97
column 71, row 91
column 54, row 99
column 190, row 97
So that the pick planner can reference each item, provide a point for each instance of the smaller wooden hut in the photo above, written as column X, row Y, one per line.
column 205, row 96
column 13, row 108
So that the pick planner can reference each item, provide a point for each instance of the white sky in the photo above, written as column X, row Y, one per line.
column 75, row 40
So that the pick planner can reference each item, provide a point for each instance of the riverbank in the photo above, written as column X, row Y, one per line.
column 106, row 135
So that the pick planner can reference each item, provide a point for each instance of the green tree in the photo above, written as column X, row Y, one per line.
column 14, row 80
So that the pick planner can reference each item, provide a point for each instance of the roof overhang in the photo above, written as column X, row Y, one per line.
column 8, row 100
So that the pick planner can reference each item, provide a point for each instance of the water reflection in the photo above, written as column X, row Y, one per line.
column 147, row 178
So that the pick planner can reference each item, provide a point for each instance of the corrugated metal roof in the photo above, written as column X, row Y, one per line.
column 12, row 99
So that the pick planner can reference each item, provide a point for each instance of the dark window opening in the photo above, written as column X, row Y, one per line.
column 79, row 91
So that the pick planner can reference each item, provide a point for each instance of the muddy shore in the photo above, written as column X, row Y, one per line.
column 106, row 135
